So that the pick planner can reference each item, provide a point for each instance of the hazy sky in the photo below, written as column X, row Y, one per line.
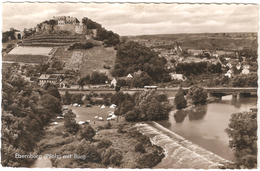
column 138, row 19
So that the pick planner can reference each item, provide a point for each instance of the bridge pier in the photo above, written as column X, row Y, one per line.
column 238, row 95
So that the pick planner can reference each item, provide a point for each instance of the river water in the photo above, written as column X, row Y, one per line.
column 195, row 137
column 205, row 125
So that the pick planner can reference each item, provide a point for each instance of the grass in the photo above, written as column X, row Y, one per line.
column 88, row 113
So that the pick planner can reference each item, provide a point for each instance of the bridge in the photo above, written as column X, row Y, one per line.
column 212, row 91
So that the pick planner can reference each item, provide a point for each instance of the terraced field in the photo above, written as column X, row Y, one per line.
column 51, row 40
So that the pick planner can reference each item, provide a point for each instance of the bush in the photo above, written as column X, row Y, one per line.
column 197, row 94
column 112, row 156
column 150, row 160
column 89, row 150
column 180, row 100
column 131, row 116
column 106, row 67
column 108, row 125
column 87, row 133
column 139, row 148
column 104, row 143
column 120, row 129
column 65, row 135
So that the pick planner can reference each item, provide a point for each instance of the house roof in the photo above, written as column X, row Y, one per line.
column 48, row 77
column 138, row 72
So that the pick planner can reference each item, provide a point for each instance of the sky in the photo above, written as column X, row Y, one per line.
column 139, row 19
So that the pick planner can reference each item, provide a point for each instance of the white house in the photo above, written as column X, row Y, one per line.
column 113, row 82
column 229, row 73
column 177, row 77
column 48, row 78
column 238, row 66
column 215, row 55
column 129, row 76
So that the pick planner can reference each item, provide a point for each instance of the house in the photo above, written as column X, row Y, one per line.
column 129, row 76
column 215, row 55
column 232, row 63
column 213, row 61
column 238, row 66
column 229, row 73
column 138, row 73
column 246, row 66
column 63, row 85
column 113, row 82
column 177, row 77
column 48, row 78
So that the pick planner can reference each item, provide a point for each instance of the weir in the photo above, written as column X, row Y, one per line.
column 179, row 152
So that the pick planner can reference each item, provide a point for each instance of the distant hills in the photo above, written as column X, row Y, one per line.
column 199, row 41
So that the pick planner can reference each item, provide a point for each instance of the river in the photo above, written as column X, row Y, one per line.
column 205, row 125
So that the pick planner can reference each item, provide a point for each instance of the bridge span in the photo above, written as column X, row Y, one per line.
column 215, row 91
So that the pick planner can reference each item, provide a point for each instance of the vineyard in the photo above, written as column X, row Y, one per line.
column 37, row 59
column 51, row 40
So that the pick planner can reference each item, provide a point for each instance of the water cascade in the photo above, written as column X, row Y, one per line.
column 179, row 152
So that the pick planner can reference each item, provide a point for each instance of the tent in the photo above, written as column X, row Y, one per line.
column 113, row 106
column 103, row 106
column 81, row 122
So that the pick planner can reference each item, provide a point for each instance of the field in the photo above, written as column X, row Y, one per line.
column 88, row 113
column 26, row 58
column 76, row 60
column 95, row 58
column 20, row 50
column 88, row 60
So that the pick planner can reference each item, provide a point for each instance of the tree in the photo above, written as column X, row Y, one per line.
column 66, row 98
column 51, row 103
column 180, row 100
column 143, row 80
column 52, row 90
column 112, row 156
column 242, row 129
column 87, row 133
column 70, row 122
column 81, row 82
column 89, row 151
column 197, row 94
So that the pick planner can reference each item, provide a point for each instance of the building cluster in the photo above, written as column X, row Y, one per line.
column 66, row 23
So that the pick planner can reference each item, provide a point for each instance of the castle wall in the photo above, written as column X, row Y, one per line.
column 66, row 27
column 81, row 29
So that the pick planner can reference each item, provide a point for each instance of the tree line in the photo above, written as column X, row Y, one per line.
column 108, row 37
column 26, row 110
column 131, row 57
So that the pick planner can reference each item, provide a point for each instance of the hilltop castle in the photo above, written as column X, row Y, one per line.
column 66, row 23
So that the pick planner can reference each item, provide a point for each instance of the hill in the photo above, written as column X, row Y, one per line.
column 203, row 41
